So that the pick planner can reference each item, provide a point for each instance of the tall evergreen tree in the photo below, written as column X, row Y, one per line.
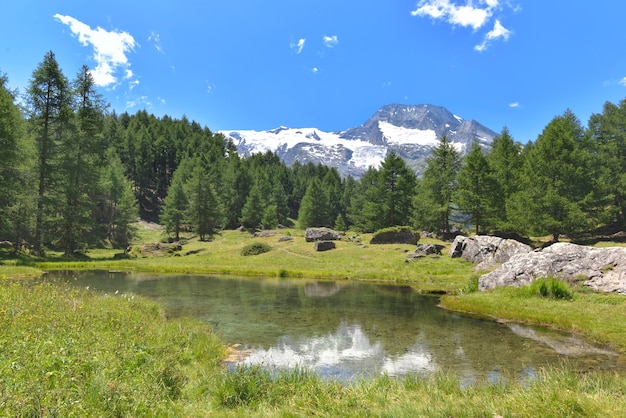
column 175, row 209
column 478, row 192
column 81, row 154
column 365, row 208
column 13, row 166
column 314, row 206
column 205, row 212
column 49, row 108
column 331, row 183
column 116, row 203
column 505, row 161
column 396, row 188
column 254, row 208
column 439, row 183
column 555, row 181
column 237, row 183
column 607, row 133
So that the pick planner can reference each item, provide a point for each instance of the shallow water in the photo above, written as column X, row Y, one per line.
column 347, row 329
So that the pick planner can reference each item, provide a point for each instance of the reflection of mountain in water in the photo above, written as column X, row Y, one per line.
column 568, row 345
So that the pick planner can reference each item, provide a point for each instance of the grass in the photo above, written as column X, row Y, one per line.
column 72, row 353
column 600, row 317
column 296, row 258
column 69, row 352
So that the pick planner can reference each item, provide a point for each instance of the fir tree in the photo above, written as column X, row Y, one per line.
column 314, row 206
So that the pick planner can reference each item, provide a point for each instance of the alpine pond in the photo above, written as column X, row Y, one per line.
column 345, row 329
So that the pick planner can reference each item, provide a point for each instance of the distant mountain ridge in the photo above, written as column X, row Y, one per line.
column 409, row 130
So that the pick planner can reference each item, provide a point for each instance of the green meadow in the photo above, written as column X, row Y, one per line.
column 68, row 352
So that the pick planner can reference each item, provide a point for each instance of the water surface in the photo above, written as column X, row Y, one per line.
column 347, row 329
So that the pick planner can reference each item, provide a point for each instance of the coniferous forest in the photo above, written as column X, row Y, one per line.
column 74, row 175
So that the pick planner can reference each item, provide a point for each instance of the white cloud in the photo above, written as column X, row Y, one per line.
column 469, row 16
column 299, row 46
column 497, row 32
column 133, row 84
column 514, row 105
column 466, row 16
column 110, row 49
column 623, row 82
column 330, row 41
column 142, row 100
column 315, row 70
column 156, row 38
column 473, row 14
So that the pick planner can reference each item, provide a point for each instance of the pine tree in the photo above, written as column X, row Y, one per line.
column 237, row 187
column 81, row 152
column 205, row 212
column 554, row 183
column 396, row 189
column 331, row 183
column 252, row 212
column 505, row 160
column 12, row 164
column 440, row 181
column 607, row 133
column 116, row 203
column 478, row 192
column 314, row 206
column 49, row 108
column 175, row 209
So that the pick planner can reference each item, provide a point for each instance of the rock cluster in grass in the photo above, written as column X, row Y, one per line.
column 602, row 269
column 157, row 249
column 487, row 251
column 424, row 250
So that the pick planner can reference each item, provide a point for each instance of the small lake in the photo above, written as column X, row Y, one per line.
column 345, row 329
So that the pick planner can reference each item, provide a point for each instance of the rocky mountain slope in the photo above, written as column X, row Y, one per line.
column 410, row 131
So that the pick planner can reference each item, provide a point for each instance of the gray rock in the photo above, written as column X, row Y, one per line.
column 486, row 250
column 324, row 245
column 321, row 234
column 602, row 269
column 428, row 249
column 399, row 236
column 285, row 238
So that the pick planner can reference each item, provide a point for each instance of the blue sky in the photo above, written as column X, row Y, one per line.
column 330, row 64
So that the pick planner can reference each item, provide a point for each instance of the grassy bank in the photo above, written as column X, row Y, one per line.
column 69, row 352
column 599, row 317
column 73, row 353
column 354, row 258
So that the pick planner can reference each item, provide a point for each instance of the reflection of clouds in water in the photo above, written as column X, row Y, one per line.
column 349, row 345
column 416, row 360
column 347, row 352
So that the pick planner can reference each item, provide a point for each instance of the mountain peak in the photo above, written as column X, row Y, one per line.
column 409, row 130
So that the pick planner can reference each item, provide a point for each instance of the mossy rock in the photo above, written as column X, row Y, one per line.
column 395, row 235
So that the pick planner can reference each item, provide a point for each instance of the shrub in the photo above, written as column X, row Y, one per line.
column 255, row 248
column 550, row 288
column 472, row 285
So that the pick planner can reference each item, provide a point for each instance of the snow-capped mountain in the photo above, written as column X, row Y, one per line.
column 410, row 131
